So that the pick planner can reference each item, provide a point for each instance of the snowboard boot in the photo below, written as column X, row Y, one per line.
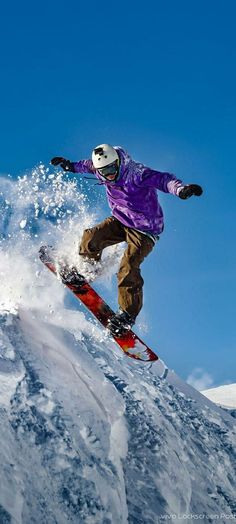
column 70, row 275
column 120, row 323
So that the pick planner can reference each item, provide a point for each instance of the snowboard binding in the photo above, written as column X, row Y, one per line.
column 70, row 276
column 120, row 323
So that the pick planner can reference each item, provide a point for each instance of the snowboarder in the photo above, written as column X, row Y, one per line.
column 136, row 217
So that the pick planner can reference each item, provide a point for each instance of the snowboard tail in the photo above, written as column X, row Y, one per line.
column 129, row 342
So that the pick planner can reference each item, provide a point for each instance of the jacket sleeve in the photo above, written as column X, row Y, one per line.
column 83, row 166
column 162, row 181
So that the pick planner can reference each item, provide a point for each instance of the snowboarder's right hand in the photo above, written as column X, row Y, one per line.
column 67, row 165
column 56, row 160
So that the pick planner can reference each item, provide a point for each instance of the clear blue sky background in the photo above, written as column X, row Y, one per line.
column 158, row 78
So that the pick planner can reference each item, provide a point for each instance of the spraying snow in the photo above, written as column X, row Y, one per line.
column 41, row 208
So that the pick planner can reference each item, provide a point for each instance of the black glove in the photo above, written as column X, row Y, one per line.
column 190, row 190
column 67, row 165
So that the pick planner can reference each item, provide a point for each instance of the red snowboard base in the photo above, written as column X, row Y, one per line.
column 130, row 343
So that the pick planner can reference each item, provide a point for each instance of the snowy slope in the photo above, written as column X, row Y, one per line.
column 88, row 435
column 223, row 395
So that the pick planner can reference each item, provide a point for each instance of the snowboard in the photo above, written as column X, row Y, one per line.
column 129, row 342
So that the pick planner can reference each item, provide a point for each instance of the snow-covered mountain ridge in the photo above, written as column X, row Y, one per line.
column 88, row 435
column 91, row 437
column 223, row 395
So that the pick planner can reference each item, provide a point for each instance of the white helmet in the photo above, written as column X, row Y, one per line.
column 104, row 155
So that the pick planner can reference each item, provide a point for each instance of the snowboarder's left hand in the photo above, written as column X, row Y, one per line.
column 190, row 190
column 67, row 165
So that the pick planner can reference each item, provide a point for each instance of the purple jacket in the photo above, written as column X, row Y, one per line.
column 133, row 197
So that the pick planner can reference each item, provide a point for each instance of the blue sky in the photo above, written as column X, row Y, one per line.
column 159, row 79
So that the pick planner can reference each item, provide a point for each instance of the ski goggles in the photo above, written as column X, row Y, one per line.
column 111, row 169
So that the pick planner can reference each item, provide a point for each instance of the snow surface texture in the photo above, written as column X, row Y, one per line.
column 88, row 435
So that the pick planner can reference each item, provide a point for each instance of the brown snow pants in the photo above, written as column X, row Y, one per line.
column 139, row 245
